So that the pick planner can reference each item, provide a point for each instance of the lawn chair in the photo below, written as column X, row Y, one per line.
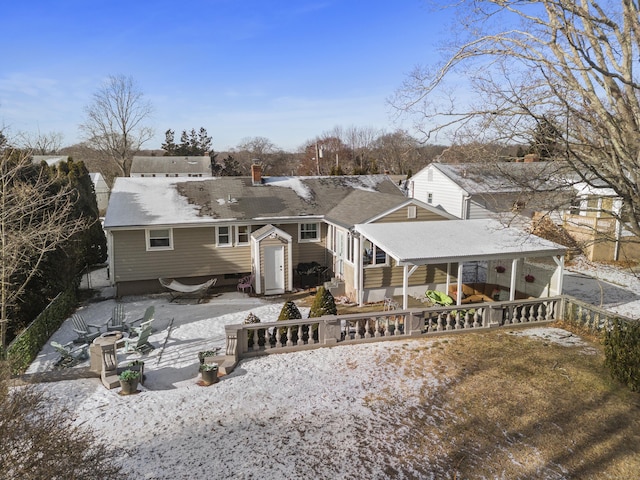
column 141, row 343
column 117, row 320
column 246, row 283
column 86, row 332
column 135, row 331
column 145, row 320
column 69, row 355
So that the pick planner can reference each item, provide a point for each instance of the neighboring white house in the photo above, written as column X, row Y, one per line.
column 102, row 191
column 170, row 166
column 482, row 190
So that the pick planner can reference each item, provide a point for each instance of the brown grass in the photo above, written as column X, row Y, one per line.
column 515, row 407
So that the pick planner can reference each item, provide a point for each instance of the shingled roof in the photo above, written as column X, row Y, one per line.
column 175, row 201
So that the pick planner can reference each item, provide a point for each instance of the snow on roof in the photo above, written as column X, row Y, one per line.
column 294, row 183
column 419, row 243
column 150, row 201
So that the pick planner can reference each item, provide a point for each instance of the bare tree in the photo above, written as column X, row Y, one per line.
column 42, row 143
column 40, row 440
column 571, row 63
column 114, row 122
column 36, row 216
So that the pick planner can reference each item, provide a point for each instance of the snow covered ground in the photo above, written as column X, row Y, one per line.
column 297, row 415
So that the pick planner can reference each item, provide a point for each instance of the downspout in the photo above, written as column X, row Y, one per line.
column 465, row 207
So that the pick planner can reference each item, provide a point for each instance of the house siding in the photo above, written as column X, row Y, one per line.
column 194, row 254
column 401, row 215
column 446, row 194
column 428, row 275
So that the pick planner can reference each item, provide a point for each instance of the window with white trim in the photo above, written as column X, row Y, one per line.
column 159, row 239
column 412, row 211
column 429, row 197
column 350, row 242
column 242, row 234
column 309, row 232
column 223, row 236
column 373, row 255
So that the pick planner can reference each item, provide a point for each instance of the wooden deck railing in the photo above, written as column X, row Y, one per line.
column 248, row 340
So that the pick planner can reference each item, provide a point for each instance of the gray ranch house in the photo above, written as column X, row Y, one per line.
column 229, row 227
column 194, row 229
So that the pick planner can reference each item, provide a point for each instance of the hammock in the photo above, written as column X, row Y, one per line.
column 180, row 289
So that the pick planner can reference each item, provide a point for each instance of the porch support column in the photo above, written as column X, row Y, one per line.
column 560, row 272
column 514, row 276
column 459, row 293
column 446, row 287
column 407, row 272
column 359, row 274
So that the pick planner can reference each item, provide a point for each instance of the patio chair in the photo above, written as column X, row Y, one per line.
column 246, row 283
column 389, row 304
column 117, row 320
column 135, row 331
column 70, row 355
column 147, row 319
column 87, row 332
column 141, row 343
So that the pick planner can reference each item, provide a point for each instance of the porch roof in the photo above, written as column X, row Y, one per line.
column 447, row 241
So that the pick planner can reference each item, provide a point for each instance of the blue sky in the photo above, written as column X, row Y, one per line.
column 285, row 70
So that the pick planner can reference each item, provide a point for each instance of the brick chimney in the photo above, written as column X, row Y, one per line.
column 256, row 174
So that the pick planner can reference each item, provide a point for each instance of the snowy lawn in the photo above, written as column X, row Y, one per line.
column 312, row 414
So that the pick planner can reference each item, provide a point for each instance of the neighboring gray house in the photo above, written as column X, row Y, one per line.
column 101, row 188
column 169, row 166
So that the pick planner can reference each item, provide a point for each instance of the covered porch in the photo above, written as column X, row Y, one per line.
column 450, row 245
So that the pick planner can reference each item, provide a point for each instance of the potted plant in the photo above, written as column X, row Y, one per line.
column 137, row 366
column 209, row 372
column 500, row 269
column 129, row 381
column 529, row 278
column 202, row 356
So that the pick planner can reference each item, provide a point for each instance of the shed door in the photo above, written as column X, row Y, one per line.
column 273, row 270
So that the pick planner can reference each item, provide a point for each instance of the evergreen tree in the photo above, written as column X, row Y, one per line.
column 252, row 318
column 289, row 311
column 323, row 304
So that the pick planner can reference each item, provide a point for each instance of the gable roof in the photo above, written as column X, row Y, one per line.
column 419, row 243
column 172, row 164
column 505, row 177
column 178, row 201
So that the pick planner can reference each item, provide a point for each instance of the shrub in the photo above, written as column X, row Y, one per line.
column 323, row 304
column 289, row 311
column 252, row 318
column 622, row 353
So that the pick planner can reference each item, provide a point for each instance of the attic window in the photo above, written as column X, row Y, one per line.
column 161, row 239
column 412, row 211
